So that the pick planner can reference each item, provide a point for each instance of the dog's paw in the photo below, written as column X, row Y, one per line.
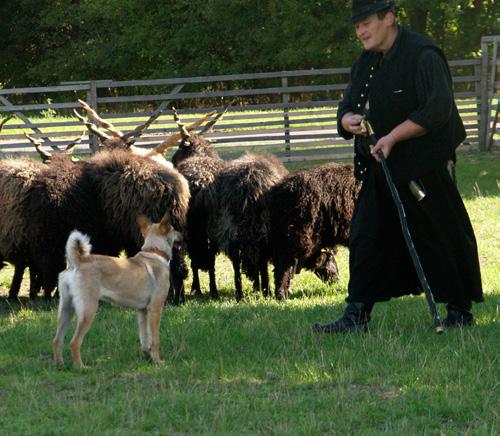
column 57, row 360
column 80, row 366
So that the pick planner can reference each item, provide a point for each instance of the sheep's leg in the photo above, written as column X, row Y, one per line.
column 256, row 282
column 15, row 285
column 49, row 281
column 282, row 279
column 195, row 286
column 293, row 271
column 211, row 276
column 34, row 283
column 236, row 261
column 178, row 272
column 264, row 277
column 47, row 292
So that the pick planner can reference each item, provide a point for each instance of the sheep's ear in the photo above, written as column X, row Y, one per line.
column 143, row 222
column 165, row 223
column 129, row 142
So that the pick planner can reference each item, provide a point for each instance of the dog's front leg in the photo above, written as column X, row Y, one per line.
column 154, row 318
column 144, row 336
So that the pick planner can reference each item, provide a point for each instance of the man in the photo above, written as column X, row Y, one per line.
column 401, row 83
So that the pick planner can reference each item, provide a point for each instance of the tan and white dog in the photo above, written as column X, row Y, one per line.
column 141, row 282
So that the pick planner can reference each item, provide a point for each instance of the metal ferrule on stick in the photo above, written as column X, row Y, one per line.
column 406, row 231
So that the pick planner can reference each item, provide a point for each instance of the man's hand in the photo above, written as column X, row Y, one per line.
column 385, row 144
column 351, row 122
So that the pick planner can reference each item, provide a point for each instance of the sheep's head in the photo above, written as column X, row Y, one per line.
column 114, row 138
column 192, row 143
column 325, row 266
column 48, row 157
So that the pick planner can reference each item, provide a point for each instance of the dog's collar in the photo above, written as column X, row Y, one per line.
column 158, row 252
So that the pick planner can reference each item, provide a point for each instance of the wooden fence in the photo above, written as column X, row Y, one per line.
column 289, row 113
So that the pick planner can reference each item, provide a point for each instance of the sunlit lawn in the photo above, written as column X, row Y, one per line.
column 256, row 367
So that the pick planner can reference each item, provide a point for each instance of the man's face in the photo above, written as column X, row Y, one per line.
column 375, row 33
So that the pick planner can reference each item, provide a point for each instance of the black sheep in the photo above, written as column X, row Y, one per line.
column 310, row 213
column 235, row 205
column 199, row 163
column 102, row 197
column 16, row 178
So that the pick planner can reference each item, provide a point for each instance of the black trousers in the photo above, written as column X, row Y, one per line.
column 380, row 264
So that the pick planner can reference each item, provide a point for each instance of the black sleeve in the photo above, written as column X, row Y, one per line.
column 344, row 107
column 434, row 91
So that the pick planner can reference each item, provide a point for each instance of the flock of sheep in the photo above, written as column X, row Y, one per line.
column 249, row 208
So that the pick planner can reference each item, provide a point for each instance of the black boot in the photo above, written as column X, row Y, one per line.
column 458, row 315
column 355, row 319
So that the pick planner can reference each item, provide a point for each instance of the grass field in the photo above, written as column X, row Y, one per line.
column 257, row 368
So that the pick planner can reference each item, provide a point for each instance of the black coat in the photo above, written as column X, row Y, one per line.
column 411, row 81
column 399, row 88
column 380, row 264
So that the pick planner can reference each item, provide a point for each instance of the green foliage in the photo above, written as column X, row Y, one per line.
column 49, row 41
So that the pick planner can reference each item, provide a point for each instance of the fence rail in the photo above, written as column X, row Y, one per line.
column 289, row 113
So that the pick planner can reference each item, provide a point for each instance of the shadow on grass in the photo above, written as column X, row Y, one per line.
column 25, row 303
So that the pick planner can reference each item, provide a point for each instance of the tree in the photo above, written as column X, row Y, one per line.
column 49, row 41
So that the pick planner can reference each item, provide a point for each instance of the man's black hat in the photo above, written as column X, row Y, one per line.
column 364, row 8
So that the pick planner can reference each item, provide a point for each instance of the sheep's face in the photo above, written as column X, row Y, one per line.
column 115, row 143
column 194, row 146
column 325, row 267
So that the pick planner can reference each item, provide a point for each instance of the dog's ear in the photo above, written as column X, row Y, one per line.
column 143, row 222
column 165, row 224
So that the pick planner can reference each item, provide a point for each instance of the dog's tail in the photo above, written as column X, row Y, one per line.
column 78, row 245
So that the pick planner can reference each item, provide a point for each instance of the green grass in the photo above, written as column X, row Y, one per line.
column 256, row 367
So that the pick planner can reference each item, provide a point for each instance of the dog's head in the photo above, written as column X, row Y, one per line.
column 160, row 236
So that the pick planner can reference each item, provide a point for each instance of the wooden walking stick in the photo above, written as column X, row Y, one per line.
column 406, row 232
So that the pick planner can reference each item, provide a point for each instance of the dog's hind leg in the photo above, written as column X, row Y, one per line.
column 85, row 317
column 65, row 313
column 144, row 336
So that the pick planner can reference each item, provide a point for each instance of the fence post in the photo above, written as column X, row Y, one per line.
column 484, row 110
column 492, row 120
column 92, row 102
column 286, row 118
